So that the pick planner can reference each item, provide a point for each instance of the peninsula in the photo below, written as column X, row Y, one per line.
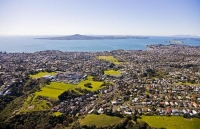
column 175, row 41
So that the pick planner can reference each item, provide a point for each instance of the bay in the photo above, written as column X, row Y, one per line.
column 31, row 44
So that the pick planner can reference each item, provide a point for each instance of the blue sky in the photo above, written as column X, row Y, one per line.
column 100, row 17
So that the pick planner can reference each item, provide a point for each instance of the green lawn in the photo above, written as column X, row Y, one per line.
column 96, row 85
column 52, row 91
column 41, row 74
column 57, row 113
column 173, row 122
column 34, row 101
column 100, row 120
column 112, row 72
column 109, row 58
column 55, row 89
column 187, row 83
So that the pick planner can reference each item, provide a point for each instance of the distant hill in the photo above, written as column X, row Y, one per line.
column 186, row 36
column 85, row 37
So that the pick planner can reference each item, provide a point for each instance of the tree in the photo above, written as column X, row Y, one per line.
column 59, row 126
column 68, row 95
column 130, row 125
column 88, row 85
column 65, row 123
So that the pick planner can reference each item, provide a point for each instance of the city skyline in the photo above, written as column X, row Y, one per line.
column 162, row 18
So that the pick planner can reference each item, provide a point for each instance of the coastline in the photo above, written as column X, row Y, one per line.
column 30, row 44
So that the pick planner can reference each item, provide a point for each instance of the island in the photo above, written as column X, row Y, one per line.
column 86, row 37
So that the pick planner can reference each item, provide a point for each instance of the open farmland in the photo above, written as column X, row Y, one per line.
column 41, row 74
column 100, row 120
column 175, row 122
column 109, row 58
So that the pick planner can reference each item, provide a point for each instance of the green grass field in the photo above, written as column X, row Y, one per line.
column 34, row 101
column 112, row 72
column 54, row 89
column 186, row 83
column 100, row 120
column 41, row 74
column 57, row 113
column 109, row 58
column 96, row 85
column 173, row 122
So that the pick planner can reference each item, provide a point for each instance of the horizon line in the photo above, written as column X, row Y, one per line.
column 177, row 35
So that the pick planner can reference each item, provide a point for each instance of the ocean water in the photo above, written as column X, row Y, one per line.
column 30, row 44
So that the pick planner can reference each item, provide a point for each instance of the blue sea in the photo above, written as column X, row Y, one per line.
column 31, row 44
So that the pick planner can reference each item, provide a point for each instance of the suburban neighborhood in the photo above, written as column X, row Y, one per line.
column 163, row 80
